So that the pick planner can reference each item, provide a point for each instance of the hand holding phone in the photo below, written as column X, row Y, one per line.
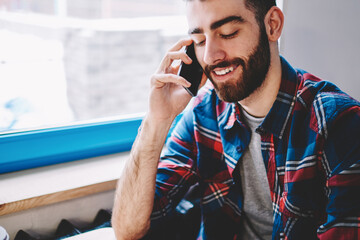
column 191, row 72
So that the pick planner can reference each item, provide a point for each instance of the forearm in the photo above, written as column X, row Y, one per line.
column 136, row 186
column 134, row 197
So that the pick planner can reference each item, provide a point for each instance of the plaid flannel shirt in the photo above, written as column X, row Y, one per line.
column 311, row 150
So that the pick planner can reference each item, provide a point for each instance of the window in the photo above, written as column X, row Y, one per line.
column 67, row 61
column 77, row 69
column 72, row 72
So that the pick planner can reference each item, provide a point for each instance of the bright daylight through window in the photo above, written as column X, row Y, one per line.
column 65, row 61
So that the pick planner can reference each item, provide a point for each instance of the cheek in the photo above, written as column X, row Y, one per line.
column 240, row 48
column 200, row 56
column 243, row 45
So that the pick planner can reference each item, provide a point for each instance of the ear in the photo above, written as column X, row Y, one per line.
column 274, row 22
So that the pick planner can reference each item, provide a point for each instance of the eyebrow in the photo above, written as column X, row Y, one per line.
column 217, row 24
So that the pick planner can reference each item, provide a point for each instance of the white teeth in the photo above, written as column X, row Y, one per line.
column 224, row 71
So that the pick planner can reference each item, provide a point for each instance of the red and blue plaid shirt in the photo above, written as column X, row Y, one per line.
column 310, row 142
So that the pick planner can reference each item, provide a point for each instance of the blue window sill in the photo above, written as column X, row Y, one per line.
column 30, row 149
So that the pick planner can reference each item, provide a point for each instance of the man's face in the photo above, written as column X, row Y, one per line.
column 230, row 45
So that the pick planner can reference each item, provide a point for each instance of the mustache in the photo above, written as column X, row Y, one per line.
column 224, row 64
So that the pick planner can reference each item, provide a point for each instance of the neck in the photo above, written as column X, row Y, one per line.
column 259, row 103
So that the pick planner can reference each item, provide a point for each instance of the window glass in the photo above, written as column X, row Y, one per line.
column 63, row 61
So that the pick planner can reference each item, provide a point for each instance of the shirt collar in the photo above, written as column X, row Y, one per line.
column 279, row 114
column 231, row 115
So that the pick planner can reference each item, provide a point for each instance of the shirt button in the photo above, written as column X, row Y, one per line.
column 238, row 148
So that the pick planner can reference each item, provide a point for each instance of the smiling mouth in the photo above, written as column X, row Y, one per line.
column 224, row 71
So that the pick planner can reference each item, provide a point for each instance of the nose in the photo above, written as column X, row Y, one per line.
column 213, row 52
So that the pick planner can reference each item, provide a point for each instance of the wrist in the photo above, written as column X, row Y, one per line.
column 155, row 130
column 160, row 124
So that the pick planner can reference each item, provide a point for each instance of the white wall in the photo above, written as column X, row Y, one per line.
column 323, row 37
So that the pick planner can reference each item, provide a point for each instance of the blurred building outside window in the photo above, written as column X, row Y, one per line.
column 65, row 61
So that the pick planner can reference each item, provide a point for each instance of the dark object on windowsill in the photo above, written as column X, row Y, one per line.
column 22, row 235
column 102, row 219
column 68, row 229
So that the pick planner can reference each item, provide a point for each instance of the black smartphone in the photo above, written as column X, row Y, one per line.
column 191, row 72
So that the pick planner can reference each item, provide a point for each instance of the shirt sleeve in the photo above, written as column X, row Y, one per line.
column 342, row 151
column 176, row 169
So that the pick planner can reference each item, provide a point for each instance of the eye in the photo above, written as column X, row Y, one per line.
column 229, row 36
column 199, row 44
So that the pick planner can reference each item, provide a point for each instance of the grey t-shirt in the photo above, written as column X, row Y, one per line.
column 255, row 187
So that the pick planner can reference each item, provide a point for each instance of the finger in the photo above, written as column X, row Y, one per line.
column 159, row 80
column 170, row 57
column 180, row 44
column 174, row 53
column 175, row 69
column 180, row 55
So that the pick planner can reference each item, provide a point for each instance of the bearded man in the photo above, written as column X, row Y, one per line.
column 274, row 150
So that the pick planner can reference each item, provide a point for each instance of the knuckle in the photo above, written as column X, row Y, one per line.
column 154, row 78
column 168, row 55
column 167, row 58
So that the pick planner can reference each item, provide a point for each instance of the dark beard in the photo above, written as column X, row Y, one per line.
column 254, row 72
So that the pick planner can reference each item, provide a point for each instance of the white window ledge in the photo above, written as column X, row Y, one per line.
column 102, row 233
column 56, row 183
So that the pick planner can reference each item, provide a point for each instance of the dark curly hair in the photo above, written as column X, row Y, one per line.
column 260, row 8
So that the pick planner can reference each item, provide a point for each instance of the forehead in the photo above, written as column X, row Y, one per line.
column 201, row 14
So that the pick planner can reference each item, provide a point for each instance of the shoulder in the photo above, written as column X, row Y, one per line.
column 325, row 102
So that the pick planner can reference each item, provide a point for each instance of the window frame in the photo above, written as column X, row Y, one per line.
column 47, row 146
